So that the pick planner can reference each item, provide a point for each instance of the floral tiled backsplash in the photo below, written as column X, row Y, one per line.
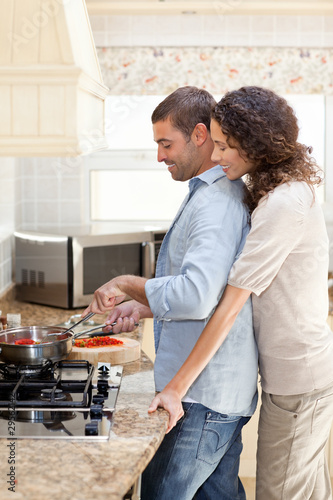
column 160, row 70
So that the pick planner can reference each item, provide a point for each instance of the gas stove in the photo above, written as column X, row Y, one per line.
column 64, row 400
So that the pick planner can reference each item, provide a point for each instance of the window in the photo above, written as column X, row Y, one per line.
column 310, row 111
column 126, row 183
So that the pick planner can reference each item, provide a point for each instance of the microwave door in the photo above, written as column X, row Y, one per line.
column 98, row 260
column 41, row 268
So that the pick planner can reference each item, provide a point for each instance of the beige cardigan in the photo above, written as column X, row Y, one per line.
column 285, row 264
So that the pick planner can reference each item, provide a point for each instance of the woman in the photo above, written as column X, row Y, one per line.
column 284, row 265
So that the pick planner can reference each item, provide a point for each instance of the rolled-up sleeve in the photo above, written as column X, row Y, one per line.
column 200, row 256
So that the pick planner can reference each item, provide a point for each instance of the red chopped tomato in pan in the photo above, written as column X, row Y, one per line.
column 24, row 342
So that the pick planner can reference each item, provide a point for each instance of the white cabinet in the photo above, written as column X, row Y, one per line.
column 148, row 338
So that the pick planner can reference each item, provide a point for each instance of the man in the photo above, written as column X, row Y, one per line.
column 199, row 455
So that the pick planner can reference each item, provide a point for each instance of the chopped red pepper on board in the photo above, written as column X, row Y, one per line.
column 97, row 342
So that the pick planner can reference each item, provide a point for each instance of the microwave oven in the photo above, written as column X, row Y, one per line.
column 64, row 270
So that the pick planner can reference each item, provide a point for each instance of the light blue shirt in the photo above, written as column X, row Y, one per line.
column 197, row 253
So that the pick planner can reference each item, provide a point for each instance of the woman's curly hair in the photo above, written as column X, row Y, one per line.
column 263, row 127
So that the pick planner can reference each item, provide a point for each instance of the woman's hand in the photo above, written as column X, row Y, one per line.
column 171, row 402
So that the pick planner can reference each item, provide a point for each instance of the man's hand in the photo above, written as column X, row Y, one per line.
column 126, row 315
column 115, row 291
column 106, row 298
column 171, row 402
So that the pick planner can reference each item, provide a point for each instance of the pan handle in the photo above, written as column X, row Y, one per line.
column 78, row 334
column 85, row 332
column 72, row 320
column 76, row 324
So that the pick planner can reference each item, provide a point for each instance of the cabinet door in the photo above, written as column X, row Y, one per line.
column 148, row 338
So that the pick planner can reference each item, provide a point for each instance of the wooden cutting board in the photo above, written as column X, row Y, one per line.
column 116, row 355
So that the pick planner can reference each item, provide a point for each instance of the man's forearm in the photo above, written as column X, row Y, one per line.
column 114, row 292
column 134, row 286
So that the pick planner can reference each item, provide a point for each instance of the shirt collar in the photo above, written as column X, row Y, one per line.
column 209, row 176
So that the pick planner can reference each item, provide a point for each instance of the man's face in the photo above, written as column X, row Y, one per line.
column 179, row 154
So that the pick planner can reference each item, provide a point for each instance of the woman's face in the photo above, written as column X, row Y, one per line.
column 234, row 165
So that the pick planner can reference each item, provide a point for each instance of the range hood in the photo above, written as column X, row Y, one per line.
column 51, row 89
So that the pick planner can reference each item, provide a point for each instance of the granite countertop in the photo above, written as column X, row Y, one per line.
column 78, row 470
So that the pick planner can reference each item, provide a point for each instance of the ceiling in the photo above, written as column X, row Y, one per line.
column 218, row 7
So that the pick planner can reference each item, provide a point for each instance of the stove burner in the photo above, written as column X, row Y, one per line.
column 45, row 417
column 14, row 372
column 49, row 394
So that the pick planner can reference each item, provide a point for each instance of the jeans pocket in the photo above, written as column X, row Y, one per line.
column 217, row 432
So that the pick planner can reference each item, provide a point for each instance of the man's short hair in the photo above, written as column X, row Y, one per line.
column 186, row 107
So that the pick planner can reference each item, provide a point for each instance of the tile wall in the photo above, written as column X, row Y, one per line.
column 8, row 218
column 51, row 192
column 6, row 260
column 37, row 193
column 219, row 30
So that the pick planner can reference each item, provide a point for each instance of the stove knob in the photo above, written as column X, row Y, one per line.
column 98, row 399
column 102, row 386
column 103, row 370
column 91, row 429
column 105, row 395
column 96, row 411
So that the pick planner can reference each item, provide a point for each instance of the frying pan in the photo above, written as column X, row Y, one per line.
column 37, row 354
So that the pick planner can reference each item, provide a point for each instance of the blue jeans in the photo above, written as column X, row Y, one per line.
column 198, row 459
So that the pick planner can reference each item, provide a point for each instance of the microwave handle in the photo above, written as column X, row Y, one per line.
column 148, row 259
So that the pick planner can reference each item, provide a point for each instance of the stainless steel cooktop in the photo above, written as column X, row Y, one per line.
column 65, row 400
